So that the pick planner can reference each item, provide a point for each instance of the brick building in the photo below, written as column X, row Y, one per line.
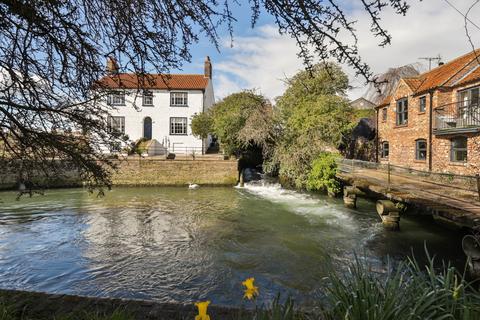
column 431, row 122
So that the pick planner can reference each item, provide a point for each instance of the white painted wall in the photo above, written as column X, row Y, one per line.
column 161, row 112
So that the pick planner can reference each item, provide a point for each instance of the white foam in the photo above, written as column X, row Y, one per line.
column 303, row 204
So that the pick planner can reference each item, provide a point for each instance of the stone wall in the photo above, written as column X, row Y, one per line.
column 155, row 172
column 36, row 305
column 149, row 172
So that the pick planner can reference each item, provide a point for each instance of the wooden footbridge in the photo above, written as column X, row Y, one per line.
column 454, row 200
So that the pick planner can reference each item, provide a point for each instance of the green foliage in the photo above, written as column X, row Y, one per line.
column 241, row 120
column 363, row 113
column 324, row 79
column 279, row 311
column 322, row 177
column 314, row 116
column 406, row 293
column 202, row 125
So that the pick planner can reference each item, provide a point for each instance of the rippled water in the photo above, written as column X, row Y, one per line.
column 175, row 244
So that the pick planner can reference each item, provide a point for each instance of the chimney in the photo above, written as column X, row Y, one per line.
column 208, row 68
column 112, row 65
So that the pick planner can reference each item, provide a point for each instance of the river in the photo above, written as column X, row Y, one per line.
column 180, row 245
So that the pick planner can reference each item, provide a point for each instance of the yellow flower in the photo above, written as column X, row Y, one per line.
column 251, row 291
column 202, row 310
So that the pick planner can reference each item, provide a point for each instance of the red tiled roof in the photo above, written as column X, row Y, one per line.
column 385, row 101
column 155, row 81
column 474, row 75
column 442, row 75
column 412, row 83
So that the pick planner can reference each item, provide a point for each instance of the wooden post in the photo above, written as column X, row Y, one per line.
column 352, row 166
column 478, row 186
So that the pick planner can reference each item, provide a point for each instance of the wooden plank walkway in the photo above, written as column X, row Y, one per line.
column 446, row 202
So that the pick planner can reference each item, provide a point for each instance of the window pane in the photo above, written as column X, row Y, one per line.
column 421, row 150
column 474, row 96
column 459, row 143
column 178, row 125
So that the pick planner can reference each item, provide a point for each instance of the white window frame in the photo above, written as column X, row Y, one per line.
column 147, row 98
column 116, row 99
column 179, row 99
column 178, row 126
column 116, row 124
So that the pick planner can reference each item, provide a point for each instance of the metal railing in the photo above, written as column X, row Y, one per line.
column 464, row 182
column 457, row 115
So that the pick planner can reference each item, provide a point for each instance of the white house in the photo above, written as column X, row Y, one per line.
column 161, row 108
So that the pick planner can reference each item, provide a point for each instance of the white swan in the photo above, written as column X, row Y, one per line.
column 193, row 186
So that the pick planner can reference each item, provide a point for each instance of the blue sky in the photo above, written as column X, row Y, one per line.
column 261, row 58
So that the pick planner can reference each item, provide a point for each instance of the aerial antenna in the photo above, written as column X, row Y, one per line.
column 438, row 58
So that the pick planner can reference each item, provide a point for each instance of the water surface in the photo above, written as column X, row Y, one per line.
column 175, row 244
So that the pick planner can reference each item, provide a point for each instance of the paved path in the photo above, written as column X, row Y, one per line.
column 456, row 204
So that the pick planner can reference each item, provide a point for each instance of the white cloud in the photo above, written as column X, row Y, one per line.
column 430, row 28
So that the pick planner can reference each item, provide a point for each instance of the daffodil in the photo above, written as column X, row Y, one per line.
column 251, row 291
column 456, row 289
column 202, row 310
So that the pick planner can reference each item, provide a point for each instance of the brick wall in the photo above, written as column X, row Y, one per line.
column 402, row 139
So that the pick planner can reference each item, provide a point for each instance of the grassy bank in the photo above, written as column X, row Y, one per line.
column 408, row 291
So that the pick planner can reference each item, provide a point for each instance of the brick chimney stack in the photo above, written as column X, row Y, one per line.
column 112, row 65
column 208, row 68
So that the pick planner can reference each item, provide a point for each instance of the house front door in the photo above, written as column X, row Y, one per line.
column 147, row 128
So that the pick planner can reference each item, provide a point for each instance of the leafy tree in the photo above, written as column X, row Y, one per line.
column 241, row 120
column 202, row 124
column 314, row 116
column 52, row 53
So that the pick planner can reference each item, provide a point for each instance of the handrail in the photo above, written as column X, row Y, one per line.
column 460, row 114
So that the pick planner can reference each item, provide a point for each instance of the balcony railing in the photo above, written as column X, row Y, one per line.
column 457, row 117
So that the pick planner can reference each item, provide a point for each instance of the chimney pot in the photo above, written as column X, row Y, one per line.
column 112, row 65
column 441, row 63
column 208, row 68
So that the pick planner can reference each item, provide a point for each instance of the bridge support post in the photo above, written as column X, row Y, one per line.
column 389, row 213
column 350, row 197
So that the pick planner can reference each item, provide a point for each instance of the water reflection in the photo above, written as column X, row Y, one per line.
column 174, row 244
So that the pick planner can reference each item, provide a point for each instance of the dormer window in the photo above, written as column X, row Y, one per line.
column 402, row 112
column 179, row 99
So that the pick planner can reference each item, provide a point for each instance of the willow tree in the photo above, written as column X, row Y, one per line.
column 53, row 51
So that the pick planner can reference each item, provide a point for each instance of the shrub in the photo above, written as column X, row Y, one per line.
column 322, row 176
